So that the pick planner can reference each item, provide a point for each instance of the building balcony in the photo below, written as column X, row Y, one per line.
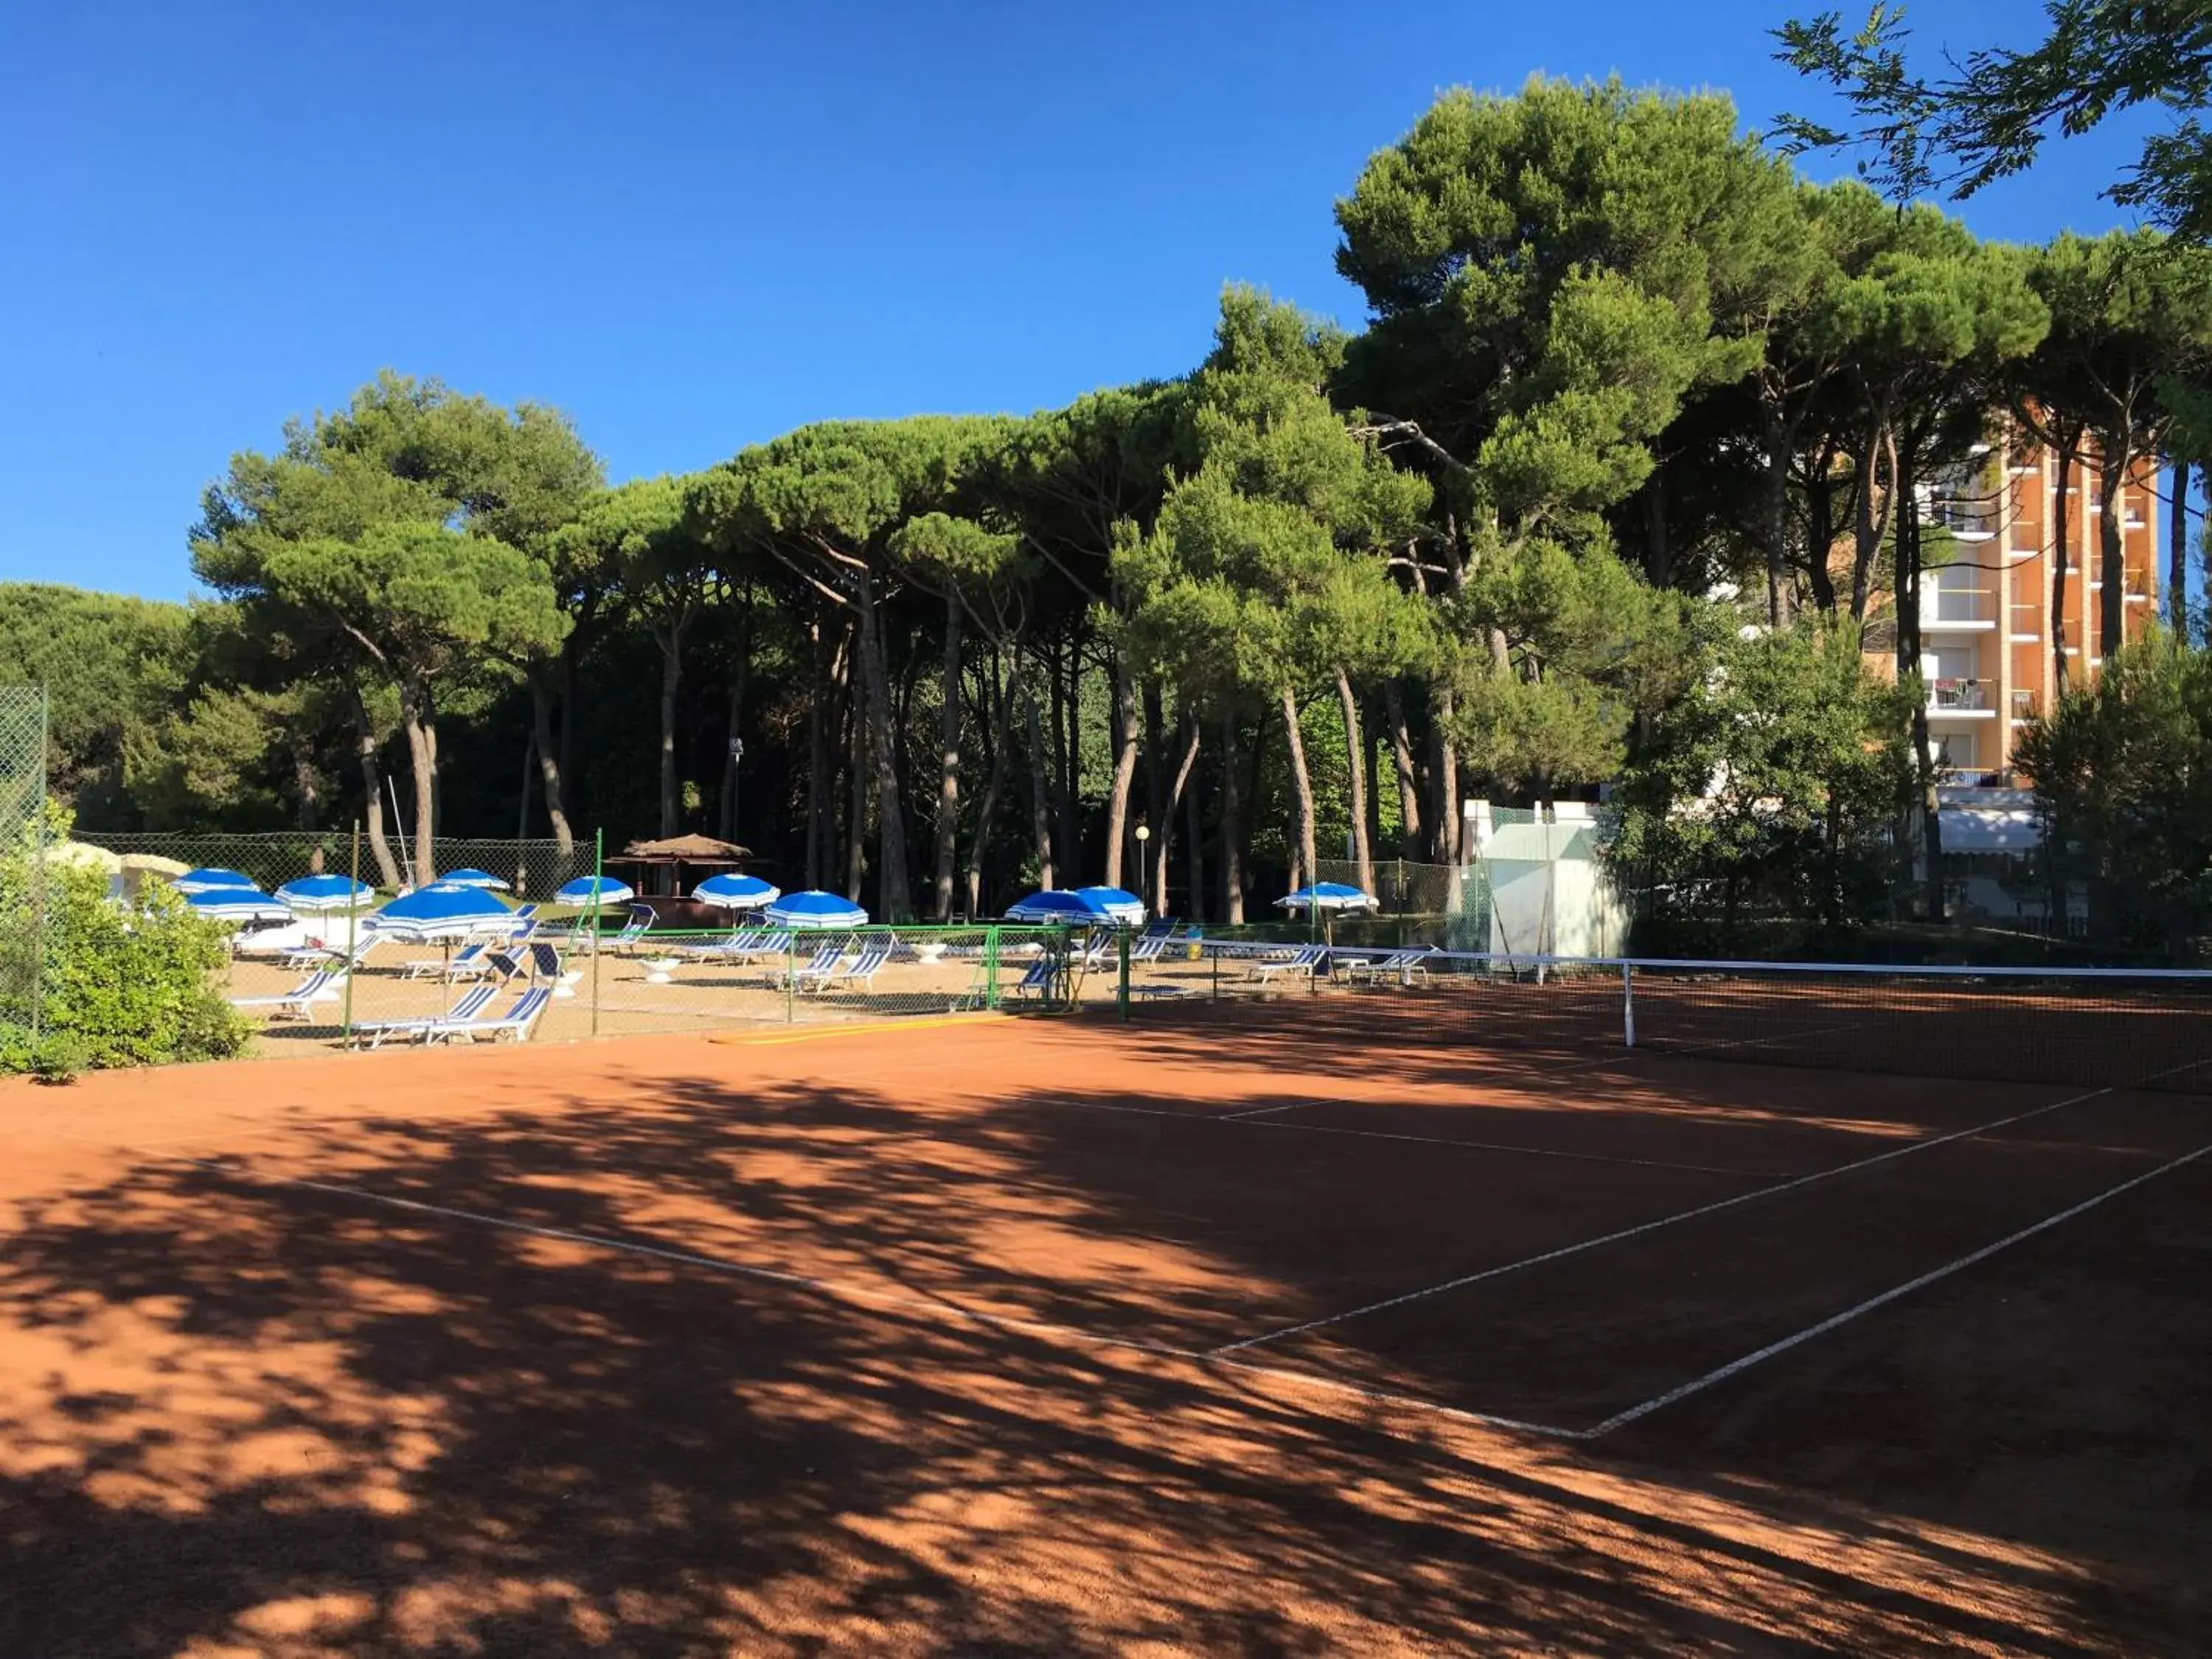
column 2026, row 704
column 1959, row 611
column 1968, row 520
column 1962, row 699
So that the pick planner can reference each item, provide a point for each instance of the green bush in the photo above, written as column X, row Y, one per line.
column 119, row 985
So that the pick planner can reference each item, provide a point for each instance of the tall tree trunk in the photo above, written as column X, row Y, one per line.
column 1255, row 761
column 1870, row 525
column 372, row 782
column 1040, row 788
column 1444, row 835
column 1125, row 769
column 1658, row 557
column 1194, row 838
column 725, row 798
column 1355, row 748
column 902, row 717
column 307, row 786
column 2060, row 548
column 1156, row 803
column 740, row 685
column 1778, row 607
column 2112, row 616
column 549, row 762
column 1301, row 795
column 948, row 762
column 818, row 751
column 858, row 773
column 1067, row 732
column 2176, row 553
column 1371, row 764
column 1401, row 759
column 670, row 638
column 997, row 707
column 1233, row 848
column 1188, row 729
column 529, row 766
column 896, row 895
column 1821, row 535
column 421, row 730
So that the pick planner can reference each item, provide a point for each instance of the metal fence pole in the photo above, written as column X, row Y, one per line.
column 791, row 982
column 991, row 967
column 1121, row 989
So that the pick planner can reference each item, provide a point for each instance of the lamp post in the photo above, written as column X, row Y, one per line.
column 1144, row 863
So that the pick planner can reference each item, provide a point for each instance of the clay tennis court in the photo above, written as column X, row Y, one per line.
column 1317, row 1326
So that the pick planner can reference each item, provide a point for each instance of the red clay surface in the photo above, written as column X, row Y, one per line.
column 978, row 1337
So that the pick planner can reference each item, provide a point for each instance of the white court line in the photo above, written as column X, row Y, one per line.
column 1262, row 1111
column 1736, row 1367
column 1390, row 1135
column 1641, row 1228
column 930, row 1310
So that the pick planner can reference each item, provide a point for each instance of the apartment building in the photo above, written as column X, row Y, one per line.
column 1986, row 623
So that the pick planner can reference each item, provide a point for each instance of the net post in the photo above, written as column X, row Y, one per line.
column 599, row 867
column 1628, row 1004
column 1121, row 989
column 353, row 921
column 791, row 982
column 991, row 967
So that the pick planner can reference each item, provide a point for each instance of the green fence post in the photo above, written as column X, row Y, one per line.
column 599, row 858
column 991, row 967
column 1121, row 950
column 353, row 921
column 791, row 982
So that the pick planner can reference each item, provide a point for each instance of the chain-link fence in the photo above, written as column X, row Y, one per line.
column 23, row 851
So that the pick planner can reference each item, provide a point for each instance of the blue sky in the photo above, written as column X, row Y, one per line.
column 696, row 227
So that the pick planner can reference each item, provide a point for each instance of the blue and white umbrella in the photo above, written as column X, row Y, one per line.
column 735, row 892
column 313, row 895
column 208, row 878
column 1056, row 904
column 1329, row 898
column 441, row 910
column 238, row 904
column 591, row 892
column 473, row 877
column 814, row 908
column 1117, row 904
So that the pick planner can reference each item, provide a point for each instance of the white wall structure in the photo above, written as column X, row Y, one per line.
column 1550, row 893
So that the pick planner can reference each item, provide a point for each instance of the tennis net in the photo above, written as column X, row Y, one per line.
column 2088, row 1027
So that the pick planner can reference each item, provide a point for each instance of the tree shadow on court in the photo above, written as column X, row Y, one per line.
column 347, row 1418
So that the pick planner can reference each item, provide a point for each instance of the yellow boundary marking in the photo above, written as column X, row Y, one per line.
column 920, row 1022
